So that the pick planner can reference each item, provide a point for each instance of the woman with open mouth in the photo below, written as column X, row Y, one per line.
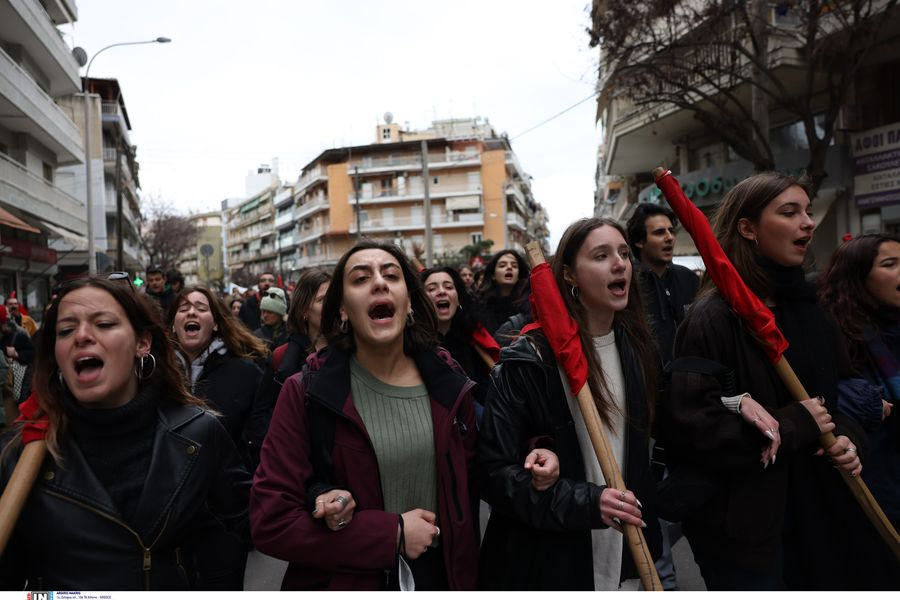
column 219, row 357
column 363, row 480
column 861, row 291
column 222, row 362
column 504, row 293
column 773, row 506
column 135, row 461
column 568, row 537
column 459, row 329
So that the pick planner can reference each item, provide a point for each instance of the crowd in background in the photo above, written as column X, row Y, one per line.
column 376, row 406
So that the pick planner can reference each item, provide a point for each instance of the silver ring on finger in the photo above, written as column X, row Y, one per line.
column 341, row 524
column 622, row 494
column 342, row 500
column 621, row 505
column 850, row 449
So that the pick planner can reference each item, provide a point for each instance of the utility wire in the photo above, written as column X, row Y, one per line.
column 559, row 114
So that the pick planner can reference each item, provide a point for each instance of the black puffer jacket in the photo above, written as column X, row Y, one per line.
column 542, row 540
column 231, row 385
column 70, row 536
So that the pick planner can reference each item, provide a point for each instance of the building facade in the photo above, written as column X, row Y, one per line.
column 477, row 189
column 640, row 136
column 115, row 182
column 37, row 137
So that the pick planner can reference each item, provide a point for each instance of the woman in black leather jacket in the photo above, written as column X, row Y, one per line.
column 133, row 458
column 563, row 538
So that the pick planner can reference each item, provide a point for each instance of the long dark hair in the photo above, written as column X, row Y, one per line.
column 421, row 335
column 844, row 293
column 490, row 289
column 304, row 295
column 466, row 319
column 144, row 318
column 239, row 341
column 631, row 319
column 747, row 200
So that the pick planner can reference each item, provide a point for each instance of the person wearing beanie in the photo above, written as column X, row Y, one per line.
column 272, row 308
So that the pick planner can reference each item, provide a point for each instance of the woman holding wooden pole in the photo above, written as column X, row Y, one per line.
column 764, row 508
column 568, row 536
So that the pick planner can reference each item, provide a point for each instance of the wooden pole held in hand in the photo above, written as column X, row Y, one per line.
column 634, row 535
column 857, row 486
column 18, row 488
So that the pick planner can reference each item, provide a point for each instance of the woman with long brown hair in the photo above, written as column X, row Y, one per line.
column 767, row 509
column 134, row 457
column 222, row 362
column 569, row 536
column 861, row 290
column 364, row 475
column 304, row 324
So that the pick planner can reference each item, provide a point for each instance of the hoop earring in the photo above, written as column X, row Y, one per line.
column 140, row 368
column 574, row 292
column 62, row 382
column 410, row 319
column 345, row 326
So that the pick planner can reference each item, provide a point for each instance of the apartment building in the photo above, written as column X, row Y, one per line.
column 861, row 193
column 205, row 265
column 250, row 235
column 36, row 138
column 477, row 188
column 115, row 181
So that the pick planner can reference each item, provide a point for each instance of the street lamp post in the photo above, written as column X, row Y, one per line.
column 92, row 256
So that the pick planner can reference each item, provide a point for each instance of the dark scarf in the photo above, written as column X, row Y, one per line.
column 812, row 352
column 117, row 444
column 884, row 348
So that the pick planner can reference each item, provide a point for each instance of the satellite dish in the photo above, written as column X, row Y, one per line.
column 80, row 55
column 388, row 118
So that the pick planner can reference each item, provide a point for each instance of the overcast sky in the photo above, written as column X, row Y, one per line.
column 246, row 81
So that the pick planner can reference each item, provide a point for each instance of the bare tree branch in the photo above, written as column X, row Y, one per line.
column 167, row 237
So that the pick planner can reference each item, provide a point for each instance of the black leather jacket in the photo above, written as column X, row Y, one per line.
column 542, row 540
column 71, row 537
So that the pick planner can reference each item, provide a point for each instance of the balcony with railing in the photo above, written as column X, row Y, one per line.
column 418, row 222
column 36, row 32
column 413, row 162
column 319, row 202
column 283, row 218
column 310, row 233
column 514, row 219
column 394, row 193
column 36, row 196
column 39, row 114
column 318, row 260
column 312, row 176
column 111, row 114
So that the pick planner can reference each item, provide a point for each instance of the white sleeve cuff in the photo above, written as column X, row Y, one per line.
column 733, row 403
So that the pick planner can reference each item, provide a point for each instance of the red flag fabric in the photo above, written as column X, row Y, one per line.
column 742, row 300
column 561, row 330
column 35, row 427
column 485, row 341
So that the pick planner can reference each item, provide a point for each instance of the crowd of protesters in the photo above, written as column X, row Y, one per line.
column 359, row 424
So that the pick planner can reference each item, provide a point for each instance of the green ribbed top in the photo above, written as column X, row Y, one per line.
column 398, row 420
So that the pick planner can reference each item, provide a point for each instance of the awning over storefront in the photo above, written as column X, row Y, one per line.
column 10, row 220
column 68, row 237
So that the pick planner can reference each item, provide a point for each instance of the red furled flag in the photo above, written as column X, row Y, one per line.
column 485, row 341
column 553, row 317
column 35, row 428
column 742, row 300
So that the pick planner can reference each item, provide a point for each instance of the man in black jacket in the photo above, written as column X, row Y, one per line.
column 667, row 290
column 157, row 289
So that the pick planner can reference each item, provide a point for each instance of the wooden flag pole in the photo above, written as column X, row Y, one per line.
column 18, row 488
column 637, row 544
column 857, row 486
